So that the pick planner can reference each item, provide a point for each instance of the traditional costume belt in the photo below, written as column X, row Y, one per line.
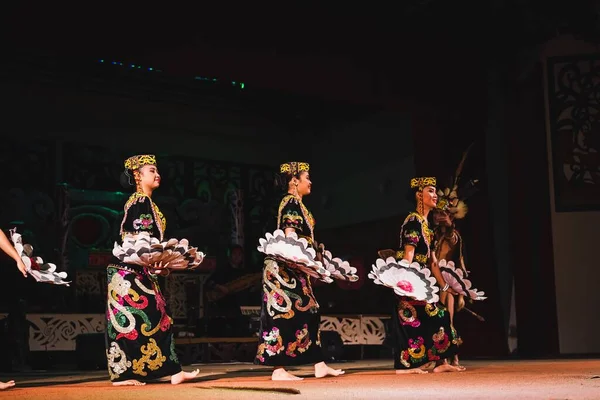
column 420, row 258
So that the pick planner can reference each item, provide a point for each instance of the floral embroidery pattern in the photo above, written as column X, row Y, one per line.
column 152, row 358
column 408, row 314
column 434, row 310
column 144, row 222
column 278, row 288
column 117, row 361
column 416, row 348
column 272, row 344
column 301, row 344
column 441, row 342
column 414, row 353
column 416, row 231
column 289, row 206
column 159, row 218
column 432, row 356
column 127, row 299
column 420, row 258
column 411, row 237
column 292, row 219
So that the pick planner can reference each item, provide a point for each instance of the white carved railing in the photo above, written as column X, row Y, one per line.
column 57, row 332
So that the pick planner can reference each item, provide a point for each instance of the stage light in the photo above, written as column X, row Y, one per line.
column 240, row 85
column 132, row 66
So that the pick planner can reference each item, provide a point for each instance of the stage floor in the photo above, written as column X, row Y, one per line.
column 367, row 379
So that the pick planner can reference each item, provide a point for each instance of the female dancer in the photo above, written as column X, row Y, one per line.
column 290, row 319
column 421, row 331
column 451, row 207
column 139, row 341
column 8, row 248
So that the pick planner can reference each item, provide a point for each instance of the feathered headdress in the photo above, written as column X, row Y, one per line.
column 452, row 198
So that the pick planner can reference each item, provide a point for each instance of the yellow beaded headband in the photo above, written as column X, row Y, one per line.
column 422, row 182
column 139, row 161
column 294, row 167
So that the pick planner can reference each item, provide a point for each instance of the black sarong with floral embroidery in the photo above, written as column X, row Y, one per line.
column 290, row 319
column 139, row 341
column 420, row 332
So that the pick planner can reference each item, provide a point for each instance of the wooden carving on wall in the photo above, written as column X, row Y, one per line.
column 574, row 112
column 259, row 208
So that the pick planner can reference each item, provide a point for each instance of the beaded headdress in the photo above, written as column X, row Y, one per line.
column 422, row 182
column 135, row 162
column 294, row 167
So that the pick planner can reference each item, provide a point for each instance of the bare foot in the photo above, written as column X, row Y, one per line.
column 456, row 363
column 130, row 382
column 446, row 368
column 6, row 385
column 183, row 376
column 410, row 371
column 280, row 374
column 322, row 370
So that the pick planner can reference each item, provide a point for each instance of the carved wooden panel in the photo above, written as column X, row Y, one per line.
column 574, row 111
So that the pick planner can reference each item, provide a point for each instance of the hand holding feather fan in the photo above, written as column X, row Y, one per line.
column 455, row 278
column 36, row 267
column 405, row 279
column 147, row 251
column 295, row 251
